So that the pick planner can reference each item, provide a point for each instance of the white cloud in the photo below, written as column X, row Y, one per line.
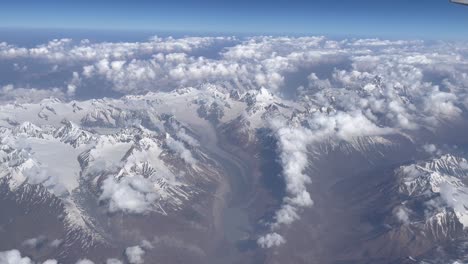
column 40, row 175
column 168, row 63
column 13, row 257
column 293, row 145
column 34, row 242
column 431, row 149
column 56, row 243
column 71, row 89
column 10, row 93
column 66, row 50
column 130, row 194
column 135, row 255
column 179, row 148
column 271, row 240
column 147, row 245
column 293, row 153
column 402, row 214
column 464, row 165
column 182, row 134
column 73, row 84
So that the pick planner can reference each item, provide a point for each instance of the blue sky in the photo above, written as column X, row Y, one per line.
column 387, row 18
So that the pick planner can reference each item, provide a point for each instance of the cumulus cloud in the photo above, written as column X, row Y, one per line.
column 455, row 197
column 68, row 50
column 293, row 143
column 432, row 149
column 386, row 90
column 182, row 134
column 39, row 174
column 464, row 165
column 402, row 213
column 293, row 153
column 104, row 60
column 271, row 240
column 129, row 194
column 35, row 242
column 135, row 255
column 168, row 63
column 179, row 148
column 13, row 257
column 147, row 245
column 254, row 62
column 56, row 243
column 73, row 84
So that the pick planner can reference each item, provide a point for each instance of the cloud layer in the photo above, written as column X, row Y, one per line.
column 337, row 89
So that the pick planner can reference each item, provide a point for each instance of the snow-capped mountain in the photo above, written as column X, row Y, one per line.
column 435, row 195
column 71, row 134
column 91, row 158
column 157, row 156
